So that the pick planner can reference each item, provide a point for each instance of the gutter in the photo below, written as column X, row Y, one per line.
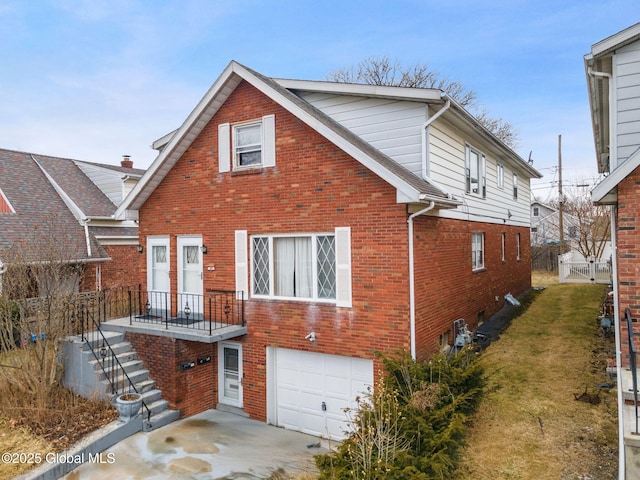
column 612, row 140
column 425, row 138
column 412, row 294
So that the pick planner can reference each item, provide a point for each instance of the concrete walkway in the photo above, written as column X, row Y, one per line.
column 211, row 445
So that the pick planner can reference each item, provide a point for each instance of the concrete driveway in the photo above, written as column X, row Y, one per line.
column 211, row 445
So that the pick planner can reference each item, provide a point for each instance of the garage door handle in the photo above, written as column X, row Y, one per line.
column 324, row 407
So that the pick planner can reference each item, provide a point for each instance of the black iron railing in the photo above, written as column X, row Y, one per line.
column 112, row 369
column 215, row 310
column 632, row 362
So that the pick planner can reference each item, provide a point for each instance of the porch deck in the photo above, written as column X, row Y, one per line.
column 218, row 333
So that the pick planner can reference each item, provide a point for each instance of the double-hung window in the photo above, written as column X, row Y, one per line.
column 294, row 266
column 500, row 176
column 247, row 145
column 477, row 251
column 475, row 172
column 518, row 247
column 515, row 186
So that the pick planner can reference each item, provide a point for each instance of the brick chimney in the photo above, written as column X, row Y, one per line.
column 126, row 162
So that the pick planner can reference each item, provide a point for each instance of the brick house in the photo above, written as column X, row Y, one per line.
column 349, row 219
column 58, row 209
column 613, row 79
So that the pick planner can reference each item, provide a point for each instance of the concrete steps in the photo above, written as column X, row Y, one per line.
column 98, row 365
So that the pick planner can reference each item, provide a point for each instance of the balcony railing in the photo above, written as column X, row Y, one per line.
column 205, row 313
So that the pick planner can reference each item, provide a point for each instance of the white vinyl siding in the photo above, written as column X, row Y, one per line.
column 627, row 91
column 108, row 180
column 392, row 126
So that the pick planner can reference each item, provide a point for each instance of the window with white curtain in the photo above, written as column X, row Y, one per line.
column 295, row 266
column 477, row 251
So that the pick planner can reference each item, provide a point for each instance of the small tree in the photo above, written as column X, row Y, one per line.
column 38, row 286
column 382, row 70
column 588, row 226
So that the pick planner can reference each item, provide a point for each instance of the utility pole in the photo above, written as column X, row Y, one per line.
column 560, row 197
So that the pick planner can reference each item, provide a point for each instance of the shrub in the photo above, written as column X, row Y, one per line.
column 412, row 424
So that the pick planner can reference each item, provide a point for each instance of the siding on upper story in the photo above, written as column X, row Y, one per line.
column 392, row 126
column 109, row 181
column 627, row 88
column 447, row 168
column 395, row 128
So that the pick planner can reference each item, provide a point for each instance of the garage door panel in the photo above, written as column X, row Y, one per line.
column 304, row 380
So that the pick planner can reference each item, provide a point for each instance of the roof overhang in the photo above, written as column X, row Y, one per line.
column 605, row 192
column 598, row 69
column 222, row 88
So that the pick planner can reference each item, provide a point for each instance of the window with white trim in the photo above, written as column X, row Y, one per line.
column 500, row 176
column 475, row 172
column 247, row 145
column 294, row 266
column 517, row 246
column 504, row 249
column 515, row 186
column 536, row 211
column 477, row 250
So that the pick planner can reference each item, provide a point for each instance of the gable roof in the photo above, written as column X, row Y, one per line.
column 52, row 200
column 410, row 188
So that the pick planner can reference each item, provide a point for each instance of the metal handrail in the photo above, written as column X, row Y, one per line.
column 218, row 309
column 111, row 367
column 632, row 360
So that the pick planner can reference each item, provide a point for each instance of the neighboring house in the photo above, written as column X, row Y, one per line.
column 545, row 226
column 56, row 209
column 350, row 218
column 613, row 79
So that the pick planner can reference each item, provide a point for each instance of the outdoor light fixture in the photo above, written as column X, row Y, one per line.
column 140, row 249
column 203, row 249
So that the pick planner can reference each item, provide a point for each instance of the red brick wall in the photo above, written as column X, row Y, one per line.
column 191, row 391
column 122, row 270
column 314, row 187
column 628, row 253
column 446, row 286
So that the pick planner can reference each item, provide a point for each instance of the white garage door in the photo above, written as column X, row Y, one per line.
column 312, row 390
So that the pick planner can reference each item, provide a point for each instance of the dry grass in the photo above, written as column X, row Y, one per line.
column 529, row 425
column 27, row 428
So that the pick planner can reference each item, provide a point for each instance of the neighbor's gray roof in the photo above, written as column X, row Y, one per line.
column 42, row 220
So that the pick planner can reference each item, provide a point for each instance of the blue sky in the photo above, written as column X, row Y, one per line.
column 96, row 79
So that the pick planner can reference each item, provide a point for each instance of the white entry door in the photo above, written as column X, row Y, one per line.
column 309, row 391
column 158, row 284
column 230, row 373
column 190, row 276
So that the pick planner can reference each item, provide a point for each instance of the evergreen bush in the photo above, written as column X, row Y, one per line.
column 412, row 424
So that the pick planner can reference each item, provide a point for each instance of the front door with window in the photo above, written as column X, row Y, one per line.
column 157, row 275
column 230, row 373
column 190, row 276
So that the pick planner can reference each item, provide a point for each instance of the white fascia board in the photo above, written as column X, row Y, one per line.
column 431, row 95
column 602, row 189
column 615, row 41
column 179, row 142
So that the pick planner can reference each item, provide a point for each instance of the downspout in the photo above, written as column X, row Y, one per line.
column 612, row 139
column 614, row 281
column 618, row 324
column 412, row 303
column 85, row 224
column 425, row 139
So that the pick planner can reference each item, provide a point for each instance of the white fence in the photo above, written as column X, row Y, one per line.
column 586, row 271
